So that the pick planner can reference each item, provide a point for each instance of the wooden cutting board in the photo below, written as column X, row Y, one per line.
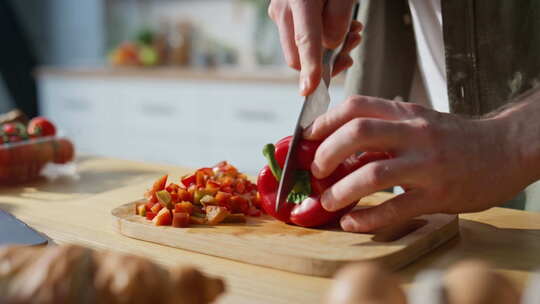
column 318, row 252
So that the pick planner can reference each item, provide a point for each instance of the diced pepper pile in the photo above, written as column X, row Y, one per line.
column 208, row 196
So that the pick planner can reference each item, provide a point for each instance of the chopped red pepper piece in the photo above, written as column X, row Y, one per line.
column 240, row 187
column 221, row 190
column 200, row 179
column 156, row 208
column 150, row 215
column 163, row 218
column 188, row 180
column 216, row 214
column 184, row 195
column 149, row 205
column 160, row 183
column 223, row 198
column 172, row 188
column 185, row 207
column 180, row 219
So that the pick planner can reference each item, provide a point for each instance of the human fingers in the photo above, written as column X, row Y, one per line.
column 396, row 210
column 357, row 135
column 372, row 177
column 336, row 20
column 355, row 106
column 307, row 16
column 280, row 12
column 344, row 60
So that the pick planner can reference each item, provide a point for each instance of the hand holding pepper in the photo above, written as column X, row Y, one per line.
column 445, row 162
column 303, row 206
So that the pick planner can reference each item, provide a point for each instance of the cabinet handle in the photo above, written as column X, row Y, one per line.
column 255, row 115
column 77, row 105
column 156, row 109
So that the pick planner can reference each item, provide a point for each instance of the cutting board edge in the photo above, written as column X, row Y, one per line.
column 295, row 264
column 314, row 266
column 394, row 261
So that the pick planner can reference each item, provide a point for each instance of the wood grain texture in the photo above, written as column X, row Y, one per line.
column 79, row 212
column 267, row 242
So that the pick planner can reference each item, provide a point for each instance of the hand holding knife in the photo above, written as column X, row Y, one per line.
column 314, row 105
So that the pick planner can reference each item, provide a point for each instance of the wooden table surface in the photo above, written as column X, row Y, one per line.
column 78, row 211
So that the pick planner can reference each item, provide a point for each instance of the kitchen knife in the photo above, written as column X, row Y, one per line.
column 15, row 232
column 314, row 105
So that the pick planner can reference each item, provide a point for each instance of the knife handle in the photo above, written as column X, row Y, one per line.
column 330, row 55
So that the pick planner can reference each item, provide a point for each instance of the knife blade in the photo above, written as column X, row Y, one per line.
column 13, row 231
column 314, row 105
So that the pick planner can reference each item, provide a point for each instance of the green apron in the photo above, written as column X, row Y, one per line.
column 492, row 50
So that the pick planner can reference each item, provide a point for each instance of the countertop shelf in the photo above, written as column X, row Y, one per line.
column 224, row 74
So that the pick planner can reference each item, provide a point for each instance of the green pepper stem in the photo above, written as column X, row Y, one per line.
column 269, row 151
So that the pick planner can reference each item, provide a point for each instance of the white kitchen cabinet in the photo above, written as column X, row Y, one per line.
column 189, row 122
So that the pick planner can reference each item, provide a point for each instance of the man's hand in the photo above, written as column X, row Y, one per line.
column 305, row 27
column 444, row 162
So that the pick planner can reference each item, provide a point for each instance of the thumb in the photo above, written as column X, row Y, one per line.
column 398, row 209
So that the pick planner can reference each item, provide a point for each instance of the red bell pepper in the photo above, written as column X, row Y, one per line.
column 303, row 206
column 157, row 186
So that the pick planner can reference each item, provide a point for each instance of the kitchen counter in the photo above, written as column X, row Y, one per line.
column 282, row 75
column 78, row 211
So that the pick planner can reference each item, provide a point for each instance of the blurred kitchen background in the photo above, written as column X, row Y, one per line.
column 186, row 82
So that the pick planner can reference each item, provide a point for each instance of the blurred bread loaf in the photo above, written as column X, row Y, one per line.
column 75, row 274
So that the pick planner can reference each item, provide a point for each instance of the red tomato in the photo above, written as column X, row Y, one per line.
column 41, row 126
column 11, row 129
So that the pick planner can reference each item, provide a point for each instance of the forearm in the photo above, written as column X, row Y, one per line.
column 520, row 124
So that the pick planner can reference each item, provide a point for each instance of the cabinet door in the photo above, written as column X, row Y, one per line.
column 250, row 112
column 76, row 108
column 246, row 116
column 189, row 123
column 162, row 122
